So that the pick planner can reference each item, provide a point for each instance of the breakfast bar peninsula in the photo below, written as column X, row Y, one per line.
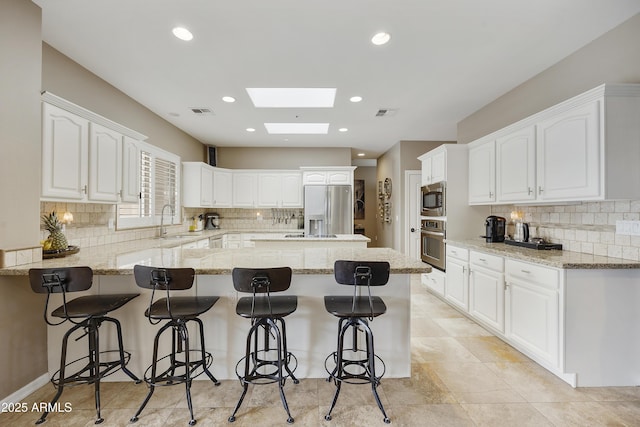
column 311, row 331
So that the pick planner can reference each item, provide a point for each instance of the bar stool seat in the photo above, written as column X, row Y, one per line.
column 87, row 314
column 185, row 363
column 354, row 364
column 262, row 364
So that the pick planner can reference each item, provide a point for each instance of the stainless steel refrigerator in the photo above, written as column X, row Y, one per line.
column 328, row 209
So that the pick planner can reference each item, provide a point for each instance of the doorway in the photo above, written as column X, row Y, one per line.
column 413, row 180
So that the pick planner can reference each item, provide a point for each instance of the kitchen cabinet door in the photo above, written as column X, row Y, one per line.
column 292, row 190
column 435, row 281
column 245, row 186
column 486, row 301
column 105, row 156
column 269, row 190
column 482, row 173
column 516, row 166
column 222, row 188
column 434, row 166
column 65, row 145
column 197, row 185
column 206, row 187
column 456, row 290
column 569, row 155
column 130, row 170
column 532, row 318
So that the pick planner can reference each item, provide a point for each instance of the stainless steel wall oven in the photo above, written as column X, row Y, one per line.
column 432, row 242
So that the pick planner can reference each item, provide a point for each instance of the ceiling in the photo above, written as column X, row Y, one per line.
column 445, row 60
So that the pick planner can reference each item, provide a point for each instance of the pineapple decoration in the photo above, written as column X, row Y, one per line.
column 56, row 236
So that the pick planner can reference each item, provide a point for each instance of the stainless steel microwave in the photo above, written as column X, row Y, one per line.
column 433, row 201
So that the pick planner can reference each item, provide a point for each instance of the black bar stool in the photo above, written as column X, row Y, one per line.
column 179, row 311
column 265, row 311
column 86, row 313
column 355, row 365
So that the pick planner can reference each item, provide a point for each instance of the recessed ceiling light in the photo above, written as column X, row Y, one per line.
column 343, row 130
column 360, row 154
column 251, row 130
column 182, row 33
column 292, row 97
column 228, row 99
column 297, row 128
column 381, row 38
column 355, row 99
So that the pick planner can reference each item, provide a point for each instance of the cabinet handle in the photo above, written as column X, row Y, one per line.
column 526, row 271
column 529, row 191
column 84, row 189
column 454, row 252
column 490, row 194
column 540, row 190
column 482, row 259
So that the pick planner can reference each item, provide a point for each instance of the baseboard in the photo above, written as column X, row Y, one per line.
column 25, row 391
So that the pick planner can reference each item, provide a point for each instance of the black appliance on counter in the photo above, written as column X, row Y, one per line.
column 211, row 221
column 495, row 227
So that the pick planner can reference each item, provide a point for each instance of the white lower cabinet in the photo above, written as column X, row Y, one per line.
column 435, row 281
column 533, row 309
column 486, row 289
column 457, row 285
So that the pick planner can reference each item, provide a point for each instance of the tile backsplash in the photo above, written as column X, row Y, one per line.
column 90, row 226
column 588, row 227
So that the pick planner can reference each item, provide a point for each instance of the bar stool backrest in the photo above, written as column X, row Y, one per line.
column 175, row 279
column 59, row 280
column 261, row 280
column 361, row 273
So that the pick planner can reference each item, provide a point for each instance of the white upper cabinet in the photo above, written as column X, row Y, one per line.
column 586, row 148
column 279, row 189
column 105, row 163
column 197, row 185
column 330, row 175
column 86, row 157
column 65, row 147
column 434, row 166
column 245, row 188
column 516, row 166
column 222, row 183
column 482, row 172
column 569, row 155
column 130, row 170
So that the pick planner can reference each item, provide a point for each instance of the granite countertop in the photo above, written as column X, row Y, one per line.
column 119, row 258
column 551, row 258
column 280, row 237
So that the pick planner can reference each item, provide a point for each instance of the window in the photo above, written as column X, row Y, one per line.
column 159, row 177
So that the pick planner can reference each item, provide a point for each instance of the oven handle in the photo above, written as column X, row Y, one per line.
column 432, row 233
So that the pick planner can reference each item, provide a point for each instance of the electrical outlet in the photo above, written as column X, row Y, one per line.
column 628, row 228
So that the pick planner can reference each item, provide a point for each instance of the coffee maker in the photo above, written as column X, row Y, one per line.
column 494, row 229
column 211, row 221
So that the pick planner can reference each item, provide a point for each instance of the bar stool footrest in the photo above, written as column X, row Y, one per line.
column 106, row 368
column 197, row 368
column 361, row 363
column 256, row 377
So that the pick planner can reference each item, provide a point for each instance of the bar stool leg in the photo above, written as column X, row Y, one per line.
column 243, row 380
column 337, row 375
column 285, row 352
column 281, row 364
column 372, row 369
column 152, row 380
column 121, row 350
column 94, row 360
column 203, row 353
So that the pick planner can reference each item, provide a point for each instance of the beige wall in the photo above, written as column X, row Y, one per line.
column 281, row 157
column 612, row 58
column 368, row 174
column 22, row 330
column 392, row 164
column 69, row 80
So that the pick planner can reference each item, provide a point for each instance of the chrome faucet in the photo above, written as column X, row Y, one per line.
column 163, row 229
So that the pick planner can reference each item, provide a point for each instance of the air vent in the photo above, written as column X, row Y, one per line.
column 202, row 111
column 386, row 112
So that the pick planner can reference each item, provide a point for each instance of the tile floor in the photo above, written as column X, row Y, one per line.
column 461, row 376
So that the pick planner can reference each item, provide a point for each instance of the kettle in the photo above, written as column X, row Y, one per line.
column 521, row 233
column 494, row 229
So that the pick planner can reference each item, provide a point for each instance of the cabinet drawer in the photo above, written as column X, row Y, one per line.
column 435, row 281
column 492, row 262
column 532, row 273
column 457, row 253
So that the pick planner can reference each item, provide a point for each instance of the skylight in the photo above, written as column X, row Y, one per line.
column 297, row 128
column 292, row 97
